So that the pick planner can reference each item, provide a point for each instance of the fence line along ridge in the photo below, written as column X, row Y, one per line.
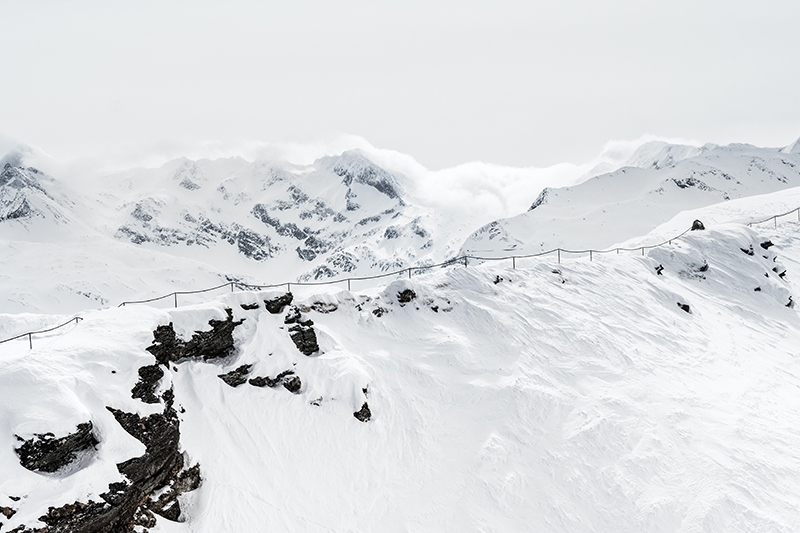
column 455, row 261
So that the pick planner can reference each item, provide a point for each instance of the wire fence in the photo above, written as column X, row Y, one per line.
column 30, row 334
column 464, row 259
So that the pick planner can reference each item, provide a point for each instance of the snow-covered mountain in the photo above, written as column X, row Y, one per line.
column 659, row 181
column 221, row 220
column 654, row 393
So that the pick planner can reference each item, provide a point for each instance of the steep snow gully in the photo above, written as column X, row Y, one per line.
column 632, row 393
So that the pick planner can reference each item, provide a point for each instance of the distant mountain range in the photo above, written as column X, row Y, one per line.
column 659, row 181
column 188, row 224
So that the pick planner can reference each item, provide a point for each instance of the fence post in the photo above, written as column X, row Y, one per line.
column 30, row 340
column 558, row 251
column 617, row 251
column 176, row 298
column 513, row 262
column 642, row 250
column 288, row 287
column 465, row 260
column 231, row 286
column 775, row 219
column 409, row 273
column 590, row 255
column 348, row 284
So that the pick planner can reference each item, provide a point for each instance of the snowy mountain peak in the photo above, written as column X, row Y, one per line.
column 793, row 148
column 354, row 167
column 660, row 154
column 22, row 196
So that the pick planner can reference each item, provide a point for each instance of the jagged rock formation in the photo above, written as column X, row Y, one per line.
column 46, row 453
column 237, row 377
column 155, row 480
column 276, row 305
column 287, row 378
column 145, row 388
column 363, row 414
column 214, row 344
column 302, row 333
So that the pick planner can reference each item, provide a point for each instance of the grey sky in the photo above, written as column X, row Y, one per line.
column 513, row 83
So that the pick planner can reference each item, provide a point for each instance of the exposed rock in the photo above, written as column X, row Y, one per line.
column 660, row 270
column 324, row 308
column 237, row 377
column 293, row 384
column 685, row 307
column 748, row 251
column 703, row 268
column 757, row 289
column 406, row 296
column 249, row 307
column 167, row 504
column 541, row 199
column 145, row 389
column 45, row 453
column 271, row 382
column 293, row 316
column 276, row 305
column 379, row 311
column 363, row 414
column 128, row 504
column 697, row 225
column 214, row 344
column 305, row 338
column 766, row 244
column 8, row 512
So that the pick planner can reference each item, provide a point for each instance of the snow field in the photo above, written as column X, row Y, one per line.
column 572, row 397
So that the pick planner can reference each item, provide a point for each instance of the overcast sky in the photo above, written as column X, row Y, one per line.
column 512, row 83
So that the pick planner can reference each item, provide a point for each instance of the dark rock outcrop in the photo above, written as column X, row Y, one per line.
column 272, row 382
column 684, row 307
column 748, row 251
column 766, row 244
column 276, row 305
column 406, row 296
column 237, row 377
column 249, row 307
column 305, row 338
column 145, row 389
column 45, row 453
column 697, row 225
column 363, row 414
column 128, row 504
column 214, row 344
column 293, row 384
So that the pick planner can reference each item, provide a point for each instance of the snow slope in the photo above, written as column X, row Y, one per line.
column 660, row 181
column 572, row 397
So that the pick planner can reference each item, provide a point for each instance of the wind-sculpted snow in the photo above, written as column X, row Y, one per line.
column 660, row 181
column 630, row 393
